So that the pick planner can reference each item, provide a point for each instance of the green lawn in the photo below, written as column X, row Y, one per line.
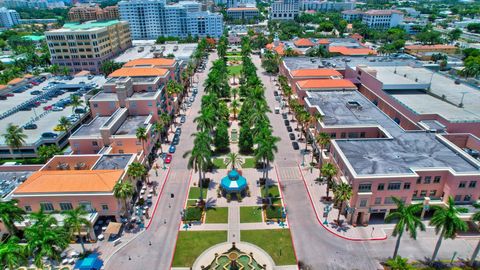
column 234, row 53
column 194, row 193
column 250, row 214
column 274, row 193
column 234, row 70
column 249, row 163
column 219, row 163
column 234, row 57
column 277, row 243
column 191, row 244
column 217, row 215
column 191, row 202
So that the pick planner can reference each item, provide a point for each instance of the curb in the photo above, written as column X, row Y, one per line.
column 327, row 228
column 180, row 223
column 287, row 219
column 146, row 228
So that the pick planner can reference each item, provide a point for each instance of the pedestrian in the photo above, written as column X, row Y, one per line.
column 164, row 221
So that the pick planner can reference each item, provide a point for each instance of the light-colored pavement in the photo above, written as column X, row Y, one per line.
column 233, row 223
column 163, row 230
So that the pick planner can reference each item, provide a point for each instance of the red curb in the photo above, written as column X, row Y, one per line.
column 180, row 223
column 158, row 199
column 327, row 228
column 288, row 222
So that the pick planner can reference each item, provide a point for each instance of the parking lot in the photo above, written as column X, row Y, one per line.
column 53, row 91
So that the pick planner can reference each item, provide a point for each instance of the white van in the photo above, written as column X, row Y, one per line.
column 277, row 110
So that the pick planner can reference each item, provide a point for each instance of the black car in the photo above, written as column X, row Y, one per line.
column 176, row 139
column 287, row 123
column 178, row 131
column 285, row 116
column 49, row 135
column 289, row 129
column 30, row 126
column 295, row 146
column 35, row 93
column 275, row 93
column 292, row 136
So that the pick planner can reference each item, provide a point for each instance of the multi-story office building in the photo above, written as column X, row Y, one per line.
column 379, row 19
column 243, row 13
column 39, row 4
column 9, row 18
column 86, row 46
column 153, row 18
column 284, row 10
column 352, row 15
column 89, row 13
column 318, row 5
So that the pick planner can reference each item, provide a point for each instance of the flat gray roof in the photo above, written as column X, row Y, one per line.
column 10, row 180
column 183, row 52
column 112, row 162
column 398, row 155
column 105, row 96
column 92, row 128
column 130, row 125
column 141, row 95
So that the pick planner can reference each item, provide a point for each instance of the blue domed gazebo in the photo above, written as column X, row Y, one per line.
column 233, row 182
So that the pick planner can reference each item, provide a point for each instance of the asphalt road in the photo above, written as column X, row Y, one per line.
column 138, row 254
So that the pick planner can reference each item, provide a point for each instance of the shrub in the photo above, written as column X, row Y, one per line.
column 193, row 214
column 206, row 182
column 229, row 197
column 274, row 212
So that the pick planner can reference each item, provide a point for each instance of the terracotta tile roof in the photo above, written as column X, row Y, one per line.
column 70, row 181
column 323, row 41
column 304, row 42
column 2, row 86
column 315, row 73
column 15, row 81
column 325, row 84
column 28, row 76
column 430, row 47
column 150, row 62
column 83, row 73
column 351, row 51
column 357, row 36
column 139, row 72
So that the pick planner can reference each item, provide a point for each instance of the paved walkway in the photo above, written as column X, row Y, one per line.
column 233, row 223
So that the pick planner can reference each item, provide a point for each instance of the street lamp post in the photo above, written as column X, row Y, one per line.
column 325, row 213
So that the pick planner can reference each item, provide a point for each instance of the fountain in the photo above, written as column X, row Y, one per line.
column 234, row 259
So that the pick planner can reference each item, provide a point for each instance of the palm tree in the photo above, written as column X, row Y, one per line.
column 141, row 134
column 136, row 170
column 165, row 119
column 123, row 190
column 14, row 137
column 11, row 213
column 323, row 139
column 75, row 221
column 12, row 254
column 48, row 151
column 54, row 69
column 173, row 88
column 475, row 217
column 45, row 238
column 158, row 128
column 76, row 101
column 200, row 156
column 407, row 219
column 65, row 71
column 343, row 192
column 447, row 223
column 235, row 106
column 64, row 124
column 234, row 160
column 329, row 170
column 265, row 152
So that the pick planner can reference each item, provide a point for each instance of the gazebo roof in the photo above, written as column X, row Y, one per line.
column 233, row 182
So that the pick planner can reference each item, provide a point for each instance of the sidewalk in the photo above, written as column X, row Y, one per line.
column 346, row 231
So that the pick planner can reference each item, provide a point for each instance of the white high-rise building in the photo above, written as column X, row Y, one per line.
column 149, row 19
column 284, row 10
column 8, row 18
column 321, row 5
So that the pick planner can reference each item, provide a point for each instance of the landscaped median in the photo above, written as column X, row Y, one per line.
column 217, row 215
column 190, row 244
column 250, row 214
column 277, row 243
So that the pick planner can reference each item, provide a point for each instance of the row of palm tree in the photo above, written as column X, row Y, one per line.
column 44, row 238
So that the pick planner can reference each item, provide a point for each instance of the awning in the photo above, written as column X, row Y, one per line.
column 113, row 228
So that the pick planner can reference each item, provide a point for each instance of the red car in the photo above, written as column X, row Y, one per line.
column 48, row 108
column 168, row 159
column 35, row 83
column 9, row 95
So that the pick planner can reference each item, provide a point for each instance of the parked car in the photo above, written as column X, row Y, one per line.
column 47, row 108
column 57, row 109
column 285, row 116
column 192, row 99
column 189, row 104
column 30, row 126
column 289, row 129
column 178, row 131
column 168, row 159
column 275, row 93
column 79, row 110
column 90, row 77
column 2, row 97
column 292, row 136
column 287, row 123
column 10, row 94
column 49, row 135
column 172, row 149
column 183, row 119
column 295, row 146
column 36, row 92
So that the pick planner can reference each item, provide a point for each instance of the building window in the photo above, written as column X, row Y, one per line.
column 388, row 200
column 378, row 200
column 119, row 143
column 95, row 105
column 87, row 206
column 381, row 186
column 333, row 135
column 423, row 193
column 467, row 198
column 66, row 206
column 458, row 198
column 432, row 193
column 362, row 134
column 472, row 184
column 363, row 202
column 364, row 187
column 47, row 207
column 28, row 208
column 394, row 186
column 419, row 180
column 462, row 184
column 121, row 151
column 427, row 180
column 94, row 143
column 343, row 135
column 437, row 179
column 415, row 193
column 105, row 207
column 406, row 185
